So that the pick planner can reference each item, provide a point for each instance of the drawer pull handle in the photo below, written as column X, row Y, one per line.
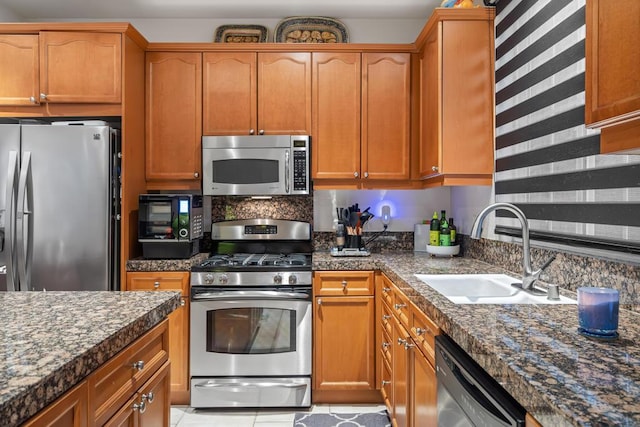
column 156, row 285
column 401, row 341
column 140, row 407
column 400, row 306
column 408, row 345
column 344, row 283
column 384, row 383
column 385, row 345
column 182, row 302
column 385, row 290
column 420, row 331
column 319, row 301
column 386, row 316
column 139, row 365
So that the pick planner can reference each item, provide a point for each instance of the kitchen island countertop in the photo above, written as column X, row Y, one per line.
column 49, row 341
column 534, row 351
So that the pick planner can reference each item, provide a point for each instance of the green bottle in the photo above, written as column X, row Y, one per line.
column 445, row 234
column 434, row 230
column 454, row 232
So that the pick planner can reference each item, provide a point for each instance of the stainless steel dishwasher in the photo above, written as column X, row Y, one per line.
column 467, row 395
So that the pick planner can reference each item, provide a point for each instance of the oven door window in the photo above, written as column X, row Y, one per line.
column 251, row 330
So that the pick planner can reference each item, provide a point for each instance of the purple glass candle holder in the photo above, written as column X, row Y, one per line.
column 598, row 312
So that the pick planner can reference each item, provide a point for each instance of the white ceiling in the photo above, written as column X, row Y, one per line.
column 228, row 9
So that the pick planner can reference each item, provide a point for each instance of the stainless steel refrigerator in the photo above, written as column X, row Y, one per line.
column 59, row 206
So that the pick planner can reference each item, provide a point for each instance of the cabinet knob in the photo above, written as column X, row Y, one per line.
column 139, row 365
column 366, row 174
column 401, row 341
column 434, row 168
column 355, row 174
column 385, row 290
column 33, row 99
column 319, row 301
column 252, row 131
column 344, row 283
column 43, row 96
column 420, row 331
column 408, row 345
column 400, row 306
column 385, row 345
column 148, row 397
column 196, row 175
column 182, row 302
column 156, row 284
column 384, row 383
column 386, row 316
column 261, row 131
column 140, row 407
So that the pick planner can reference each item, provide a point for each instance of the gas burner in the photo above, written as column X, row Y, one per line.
column 247, row 261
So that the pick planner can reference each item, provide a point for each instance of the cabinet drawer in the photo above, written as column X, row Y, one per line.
column 160, row 281
column 386, row 290
column 113, row 384
column 343, row 283
column 386, row 387
column 423, row 331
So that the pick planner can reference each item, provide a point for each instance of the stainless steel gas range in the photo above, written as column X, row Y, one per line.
column 251, row 317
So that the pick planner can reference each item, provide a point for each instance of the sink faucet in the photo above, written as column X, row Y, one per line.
column 528, row 275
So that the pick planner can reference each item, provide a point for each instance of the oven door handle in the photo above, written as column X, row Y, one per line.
column 245, row 385
column 240, row 295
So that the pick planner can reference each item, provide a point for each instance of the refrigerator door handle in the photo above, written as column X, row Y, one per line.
column 24, row 216
column 9, row 230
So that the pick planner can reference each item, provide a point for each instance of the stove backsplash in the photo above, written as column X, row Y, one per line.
column 297, row 208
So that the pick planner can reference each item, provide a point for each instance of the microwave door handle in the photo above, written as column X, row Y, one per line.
column 287, row 170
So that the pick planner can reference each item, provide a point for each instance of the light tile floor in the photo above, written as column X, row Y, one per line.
column 184, row 416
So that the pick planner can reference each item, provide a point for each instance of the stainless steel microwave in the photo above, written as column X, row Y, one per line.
column 261, row 165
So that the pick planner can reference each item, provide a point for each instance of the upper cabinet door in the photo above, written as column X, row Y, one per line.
column 284, row 93
column 173, row 120
column 386, row 86
column 19, row 77
column 230, row 97
column 336, row 115
column 80, row 67
column 612, row 62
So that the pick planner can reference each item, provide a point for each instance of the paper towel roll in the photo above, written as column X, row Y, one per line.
column 420, row 237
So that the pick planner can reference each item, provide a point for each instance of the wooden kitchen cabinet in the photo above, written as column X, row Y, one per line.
column 343, row 332
column 149, row 406
column 173, row 141
column 61, row 67
column 20, row 82
column 612, row 86
column 70, row 410
column 249, row 93
column 178, row 324
column 361, row 117
column 457, row 97
column 406, row 367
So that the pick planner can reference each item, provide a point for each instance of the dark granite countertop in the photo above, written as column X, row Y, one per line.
column 534, row 351
column 49, row 341
column 141, row 264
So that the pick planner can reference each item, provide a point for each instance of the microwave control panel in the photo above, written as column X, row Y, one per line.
column 300, row 165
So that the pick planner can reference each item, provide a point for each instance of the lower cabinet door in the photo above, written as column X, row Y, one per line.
column 423, row 397
column 68, row 411
column 344, row 343
column 155, row 405
column 400, row 374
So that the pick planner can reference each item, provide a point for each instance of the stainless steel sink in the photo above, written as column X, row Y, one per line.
column 485, row 289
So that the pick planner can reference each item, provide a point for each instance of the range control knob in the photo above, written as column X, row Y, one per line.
column 223, row 279
column 293, row 279
column 277, row 279
column 208, row 279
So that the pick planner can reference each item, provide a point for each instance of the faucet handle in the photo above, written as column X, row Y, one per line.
column 553, row 292
column 548, row 262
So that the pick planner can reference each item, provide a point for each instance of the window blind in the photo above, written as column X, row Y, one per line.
column 547, row 161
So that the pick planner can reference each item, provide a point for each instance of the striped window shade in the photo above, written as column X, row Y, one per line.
column 547, row 161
